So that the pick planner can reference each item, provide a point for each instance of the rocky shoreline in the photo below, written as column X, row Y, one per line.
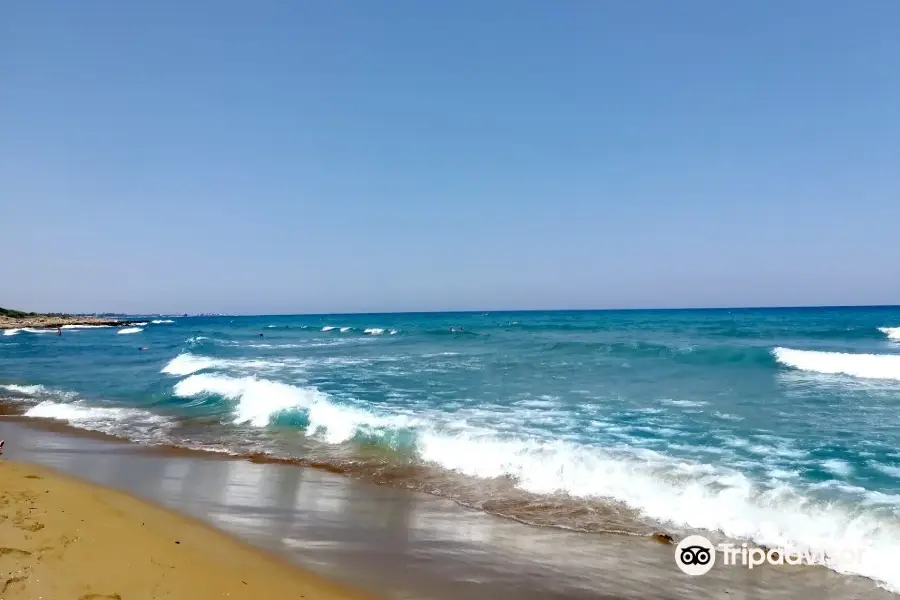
column 54, row 322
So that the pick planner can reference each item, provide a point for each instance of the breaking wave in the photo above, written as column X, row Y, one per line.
column 258, row 400
column 130, row 330
column 868, row 366
column 893, row 333
column 185, row 364
column 261, row 402
column 188, row 364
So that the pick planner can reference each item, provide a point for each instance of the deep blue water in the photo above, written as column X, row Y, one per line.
column 777, row 425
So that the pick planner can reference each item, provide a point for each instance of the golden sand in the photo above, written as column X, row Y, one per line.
column 64, row 539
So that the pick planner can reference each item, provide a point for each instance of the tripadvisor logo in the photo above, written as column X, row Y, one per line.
column 696, row 555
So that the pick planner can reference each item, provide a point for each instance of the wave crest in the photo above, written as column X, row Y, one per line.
column 261, row 401
column 867, row 366
column 893, row 333
column 258, row 400
column 186, row 364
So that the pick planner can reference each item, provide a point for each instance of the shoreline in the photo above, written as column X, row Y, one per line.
column 397, row 543
column 64, row 537
column 48, row 322
column 657, row 532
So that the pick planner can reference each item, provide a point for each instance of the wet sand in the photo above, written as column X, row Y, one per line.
column 400, row 544
column 65, row 538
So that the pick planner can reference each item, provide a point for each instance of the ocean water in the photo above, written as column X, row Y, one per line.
column 777, row 426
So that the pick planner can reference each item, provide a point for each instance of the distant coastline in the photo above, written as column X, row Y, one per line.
column 15, row 319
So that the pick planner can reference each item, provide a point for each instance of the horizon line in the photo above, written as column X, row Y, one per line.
column 503, row 310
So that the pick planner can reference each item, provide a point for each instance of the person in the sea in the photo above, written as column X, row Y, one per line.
column 59, row 331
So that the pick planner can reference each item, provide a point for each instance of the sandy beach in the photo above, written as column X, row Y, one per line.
column 64, row 538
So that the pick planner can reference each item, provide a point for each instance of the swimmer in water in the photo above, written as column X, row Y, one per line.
column 59, row 331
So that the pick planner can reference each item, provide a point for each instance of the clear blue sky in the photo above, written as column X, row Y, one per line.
column 398, row 155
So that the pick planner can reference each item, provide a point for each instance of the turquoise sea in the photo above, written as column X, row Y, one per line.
column 777, row 426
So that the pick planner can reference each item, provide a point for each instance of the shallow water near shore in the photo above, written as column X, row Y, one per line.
column 778, row 425
column 404, row 545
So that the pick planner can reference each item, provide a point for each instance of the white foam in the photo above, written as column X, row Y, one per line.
column 336, row 423
column 185, row 364
column 345, row 329
column 393, row 332
column 85, row 326
column 161, row 321
column 141, row 324
column 27, row 390
column 129, row 422
column 328, row 328
column 11, row 331
column 868, row 366
column 33, row 391
column 838, row 467
column 893, row 333
column 690, row 495
column 374, row 331
column 130, row 330
column 685, row 403
column 728, row 416
column 891, row 470
column 274, row 345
